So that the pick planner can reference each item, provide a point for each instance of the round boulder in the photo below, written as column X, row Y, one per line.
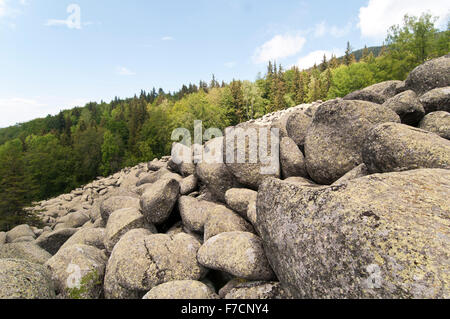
column 181, row 290
column 158, row 201
column 114, row 203
column 407, row 106
column 430, row 75
column 291, row 159
column 297, row 126
column 223, row 220
column 438, row 123
column 26, row 251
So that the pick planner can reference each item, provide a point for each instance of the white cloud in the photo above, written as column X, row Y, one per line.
column 167, row 38
column 323, row 29
column 18, row 110
column 230, row 64
column 316, row 57
column 280, row 46
column 379, row 15
column 121, row 70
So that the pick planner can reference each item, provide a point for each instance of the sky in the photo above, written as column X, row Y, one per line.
column 55, row 55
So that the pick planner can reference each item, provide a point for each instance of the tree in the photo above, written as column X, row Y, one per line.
column 112, row 151
column 349, row 57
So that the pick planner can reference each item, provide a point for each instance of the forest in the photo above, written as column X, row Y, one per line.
column 49, row 156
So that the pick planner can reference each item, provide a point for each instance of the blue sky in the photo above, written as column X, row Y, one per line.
column 49, row 62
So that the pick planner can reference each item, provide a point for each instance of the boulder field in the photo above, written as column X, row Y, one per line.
column 349, row 199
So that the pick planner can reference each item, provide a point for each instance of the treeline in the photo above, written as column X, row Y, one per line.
column 50, row 156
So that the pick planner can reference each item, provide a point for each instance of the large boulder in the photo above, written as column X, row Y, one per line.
column 53, row 241
column 430, row 75
column 194, row 212
column 212, row 171
column 407, row 106
column 377, row 93
column 438, row 123
column 336, row 136
column 436, row 100
column 91, row 236
column 78, row 271
column 258, row 290
column 188, row 185
column 181, row 290
column 158, row 201
column 223, row 220
column 76, row 219
column 252, row 153
column 238, row 253
column 18, row 232
column 21, row 279
column 141, row 261
column 291, row 159
column 297, row 126
column 122, row 221
column 379, row 236
column 26, row 251
column 357, row 172
column 114, row 203
column 163, row 173
column 393, row 147
column 241, row 200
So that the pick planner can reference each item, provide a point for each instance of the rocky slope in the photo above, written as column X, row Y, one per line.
column 357, row 208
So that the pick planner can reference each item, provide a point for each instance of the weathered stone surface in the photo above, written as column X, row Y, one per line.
column 438, row 123
column 223, row 220
column 291, row 159
column 300, row 181
column 19, row 231
column 258, row 290
column 188, row 185
column 156, row 165
column 357, row 172
column 114, row 203
column 430, row 75
column 20, row 279
column 92, row 237
column 230, row 285
column 25, row 250
column 76, row 219
column 238, row 253
column 244, row 155
column 141, row 261
column 377, row 93
column 122, row 221
column 52, row 241
column 407, row 106
column 240, row 199
column 436, row 100
column 78, row 271
column 23, row 239
column 163, row 173
column 212, row 172
column 379, row 236
column 158, row 201
column 2, row 238
column 194, row 212
column 336, row 136
column 182, row 289
column 297, row 126
column 393, row 147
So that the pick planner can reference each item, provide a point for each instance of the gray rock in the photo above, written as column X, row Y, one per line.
column 230, row 285
column 291, row 159
column 393, row 147
column 436, row 100
column 25, row 250
column 23, row 239
column 188, row 185
column 91, row 237
column 114, row 203
column 238, row 253
column 222, row 220
column 163, row 173
column 182, row 290
column 76, row 220
column 240, row 199
column 430, row 75
column 407, row 106
column 258, row 291
column 52, row 241
column 438, row 123
column 158, row 201
column 78, row 271
column 20, row 279
column 156, row 165
column 2, row 238
column 379, row 236
column 377, row 93
column 336, row 136
column 357, row 172
column 19, row 231
column 297, row 126
column 194, row 212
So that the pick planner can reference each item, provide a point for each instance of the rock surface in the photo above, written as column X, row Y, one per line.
column 182, row 289
column 407, row 106
column 437, row 122
column 430, row 75
column 26, row 251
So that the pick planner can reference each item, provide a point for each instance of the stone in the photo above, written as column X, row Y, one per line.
column 158, row 201
column 407, row 106
column 238, row 253
column 239, row 199
column 23, row 239
column 20, row 279
column 222, row 220
column 122, row 221
column 257, row 291
column 114, row 203
column 377, row 93
column 188, row 185
column 357, row 172
column 2, row 238
column 438, row 123
column 19, row 231
column 380, row 236
column 194, row 212
column 335, row 138
column 436, row 100
column 78, row 271
column 76, row 219
column 430, row 75
column 156, row 165
column 297, row 126
column 25, row 250
column 182, row 290
column 52, row 241
column 291, row 159
column 91, row 237
column 230, row 285
column 393, row 147
column 163, row 173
